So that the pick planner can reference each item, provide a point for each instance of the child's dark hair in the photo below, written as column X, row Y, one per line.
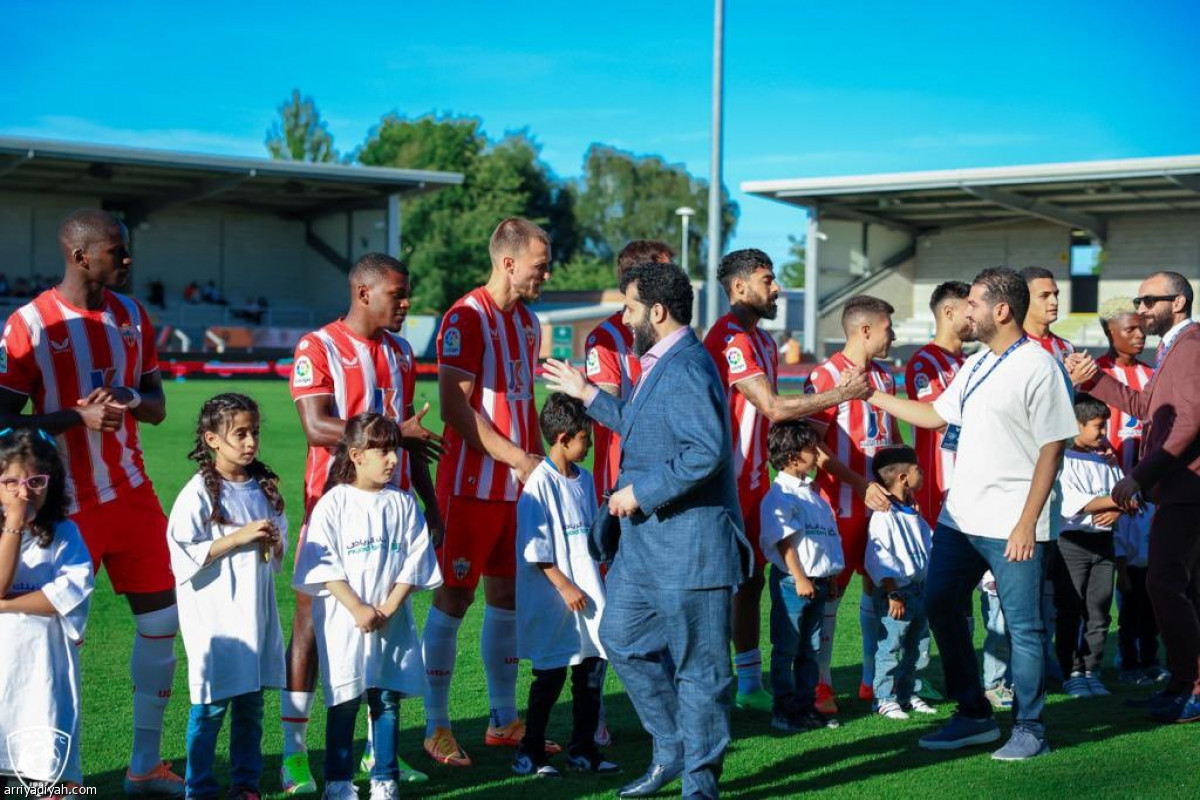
column 891, row 461
column 369, row 431
column 562, row 414
column 216, row 416
column 787, row 440
column 37, row 451
column 1088, row 408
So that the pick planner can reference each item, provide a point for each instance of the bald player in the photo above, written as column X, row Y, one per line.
column 83, row 357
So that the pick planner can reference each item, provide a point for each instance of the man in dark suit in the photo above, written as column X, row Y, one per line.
column 1167, row 474
column 682, row 547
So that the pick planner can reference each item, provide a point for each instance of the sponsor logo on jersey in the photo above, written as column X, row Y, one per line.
column 461, row 567
column 451, row 343
column 302, row 373
column 737, row 361
column 593, row 362
column 921, row 383
column 128, row 334
column 349, row 362
column 60, row 346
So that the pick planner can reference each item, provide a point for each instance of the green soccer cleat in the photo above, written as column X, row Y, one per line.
column 760, row 700
column 295, row 776
column 407, row 772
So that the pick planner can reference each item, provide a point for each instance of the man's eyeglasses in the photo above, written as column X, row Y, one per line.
column 1151, row 300
column 34, row 483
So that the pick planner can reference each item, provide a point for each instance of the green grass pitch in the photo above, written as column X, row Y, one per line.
column 1100, row 747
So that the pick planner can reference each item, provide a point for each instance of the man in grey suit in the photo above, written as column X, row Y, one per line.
column 682, row 546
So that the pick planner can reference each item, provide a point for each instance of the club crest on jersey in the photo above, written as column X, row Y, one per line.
column 302, row 373
column 593, row 362
column 737, row 361
column 921, row 384
column 451, row 343
column 128, row 334
column 461, row 567
column 38, row 753
column 529, row 335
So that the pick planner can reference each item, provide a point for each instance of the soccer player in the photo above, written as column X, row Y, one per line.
column 612, row 365
column 353, row 365
column 1043, row 312
column 1126, row 340
column 855, row 431
column 748, row 362
column 83, row 356
column 487, row 355
column 929, row 372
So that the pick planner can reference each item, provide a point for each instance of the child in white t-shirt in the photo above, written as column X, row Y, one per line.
column 800, row 538
column 45, row 589
column 366, row 550
column 1085, row 563
column 226, row 534
column 560, row 592
column 896, row 561
column 1137, row 629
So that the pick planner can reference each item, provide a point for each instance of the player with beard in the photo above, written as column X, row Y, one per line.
column 748, row 363
column 1043, row 312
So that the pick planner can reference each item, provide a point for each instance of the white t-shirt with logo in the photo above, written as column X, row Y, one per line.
column 371, row 540
column 554, row 516
column 1021, row 406
column 795, row 512
column 1085, row 476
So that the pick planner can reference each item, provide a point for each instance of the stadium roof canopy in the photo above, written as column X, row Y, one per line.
column 1079, row 195
column 142, row 181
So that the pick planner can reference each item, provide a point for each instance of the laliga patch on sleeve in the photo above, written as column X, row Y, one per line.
column 737, row 361
column 302, row 373
column 810, row 388
column 593, row 362
column 451, row 343
column 921, row 382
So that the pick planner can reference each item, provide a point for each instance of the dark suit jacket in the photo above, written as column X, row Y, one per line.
column 676, row 451
column 1169, row 407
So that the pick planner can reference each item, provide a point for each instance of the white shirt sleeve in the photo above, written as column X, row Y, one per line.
column 70, row 591
column 1050, row 401
column 420, row 560
column 189, row 531
column 318, row 561
column 780, row 519
column 948, row 404
column 880, row 560
column 1078, row 486
column 535, row 532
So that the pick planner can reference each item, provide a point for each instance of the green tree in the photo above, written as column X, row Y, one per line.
column 300, row 134
column 791, row 272
column 622, row 197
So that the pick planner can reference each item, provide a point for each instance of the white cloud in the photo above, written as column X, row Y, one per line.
column 77, row 129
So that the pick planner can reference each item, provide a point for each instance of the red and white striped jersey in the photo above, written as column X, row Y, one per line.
column 1053, row 344
column 500, row 350
column 610, row 360
column 856, row 430
column 929, row 372
column 1124, row 430
column 58, row 354
column 362, row 375
column 740, row 355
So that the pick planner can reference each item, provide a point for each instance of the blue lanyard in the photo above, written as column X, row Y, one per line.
column 970, row 390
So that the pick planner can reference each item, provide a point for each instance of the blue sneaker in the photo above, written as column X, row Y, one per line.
column 1183, row 708
column 962, row 731
column 1022, row 746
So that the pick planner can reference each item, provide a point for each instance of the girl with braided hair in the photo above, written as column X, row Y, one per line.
column 227, row 535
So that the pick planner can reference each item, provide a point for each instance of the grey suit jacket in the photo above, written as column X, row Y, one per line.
column 676, row 452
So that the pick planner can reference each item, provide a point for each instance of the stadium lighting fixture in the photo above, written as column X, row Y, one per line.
column 687, row 212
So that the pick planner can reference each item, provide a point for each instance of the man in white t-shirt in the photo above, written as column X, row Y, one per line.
column 1010, row 417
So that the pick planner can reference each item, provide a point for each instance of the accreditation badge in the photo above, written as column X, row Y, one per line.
column 950, row 438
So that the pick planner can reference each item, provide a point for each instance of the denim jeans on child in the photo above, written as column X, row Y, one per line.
column 957, row 562
column 996, row 652
column 795, row 639
column 245, row 744
column 899, row 647
column 384, row 708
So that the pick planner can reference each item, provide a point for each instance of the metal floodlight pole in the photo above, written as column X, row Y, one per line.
column 714, row 186
column 686, row 212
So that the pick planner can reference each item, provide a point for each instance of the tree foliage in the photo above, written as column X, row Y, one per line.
column 300, row 134
column 791, row 272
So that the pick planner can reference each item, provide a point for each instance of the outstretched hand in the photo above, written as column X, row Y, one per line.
column 1081, row 368
column 419, row 440
column 562, row 377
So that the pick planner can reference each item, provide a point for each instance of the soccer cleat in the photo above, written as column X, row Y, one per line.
column 384, row 790
column 539, row 768
column 158, row 782
column 443, row 748
column 367, row 763
column 295, row 777
column 825, row 702
column 916, row 704
column 866, row 692
column 760, row 700
column 891, row 710
column 1157, row 674
column 340, row 790
column 511, row 735
column 1001, row 697
column 408, row 773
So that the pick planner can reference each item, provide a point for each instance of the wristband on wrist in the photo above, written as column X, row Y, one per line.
column 15, row 531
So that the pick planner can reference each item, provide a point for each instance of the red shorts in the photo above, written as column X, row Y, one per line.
column 854, row 546
column 480, row 539
column 750, row 500
column 129, row 537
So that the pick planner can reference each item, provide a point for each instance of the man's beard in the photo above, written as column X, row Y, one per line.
column 766, row 308
column 644, row 337
column 1157, row 325
column 984, row 331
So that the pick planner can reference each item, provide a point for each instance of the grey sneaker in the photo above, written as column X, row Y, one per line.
column 1022, row 745
column 962, row 731
column 1095, row 686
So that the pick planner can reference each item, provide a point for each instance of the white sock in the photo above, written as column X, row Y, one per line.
column 868, row 621
column 152, row 667
column 439, row 647
column 498, row 644
column 828, row 628
column 294, row 711
column 749, row 671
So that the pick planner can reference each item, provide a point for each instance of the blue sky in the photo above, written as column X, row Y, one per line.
column 811, row 89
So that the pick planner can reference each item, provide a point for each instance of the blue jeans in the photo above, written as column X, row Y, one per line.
column 245, row 744
column 384, row 707
column 795, row 639
column 957, row 562
column 995, row 643
column 899, row 648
